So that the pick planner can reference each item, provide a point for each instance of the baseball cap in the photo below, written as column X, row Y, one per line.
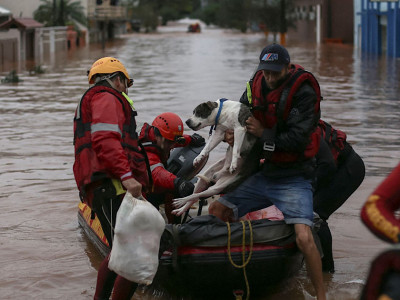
column 273, row 58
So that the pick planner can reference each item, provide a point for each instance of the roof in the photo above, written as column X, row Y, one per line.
column 4, row 12
column 20, row 23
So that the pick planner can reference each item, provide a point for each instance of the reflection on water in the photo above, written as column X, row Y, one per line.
column 45, row 255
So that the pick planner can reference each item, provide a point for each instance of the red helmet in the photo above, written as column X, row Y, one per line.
column 169, row 125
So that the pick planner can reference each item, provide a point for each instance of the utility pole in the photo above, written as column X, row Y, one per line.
column 283, row 26
column 54, row 13
column 61, row 21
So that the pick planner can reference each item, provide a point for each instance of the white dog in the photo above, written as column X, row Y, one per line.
column 222, row 114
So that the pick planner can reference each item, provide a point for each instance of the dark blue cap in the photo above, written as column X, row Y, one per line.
column 273, row 58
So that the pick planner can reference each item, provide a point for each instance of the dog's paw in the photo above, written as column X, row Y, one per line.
column 197, row 160
column 178, row 202
column 180, row 211
column 232, row 168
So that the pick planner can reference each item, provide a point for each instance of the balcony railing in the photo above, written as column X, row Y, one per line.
column 105, row 12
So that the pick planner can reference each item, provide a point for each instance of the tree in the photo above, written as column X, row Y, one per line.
column 274, row 15
column 233, row 14
column 60, row 13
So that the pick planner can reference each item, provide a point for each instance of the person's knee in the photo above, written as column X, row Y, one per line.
column 304, row 238
column 220, row 211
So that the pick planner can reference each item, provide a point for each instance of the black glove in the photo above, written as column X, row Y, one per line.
column 183, row 188
column 197, row 140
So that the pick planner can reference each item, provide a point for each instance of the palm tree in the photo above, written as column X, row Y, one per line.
column 60, row 12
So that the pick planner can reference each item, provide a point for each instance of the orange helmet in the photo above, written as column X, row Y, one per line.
column 107, row 65
column 170, row 126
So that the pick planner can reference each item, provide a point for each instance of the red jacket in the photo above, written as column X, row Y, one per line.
column 378, row 212
column 163, row 180
column 105, row 139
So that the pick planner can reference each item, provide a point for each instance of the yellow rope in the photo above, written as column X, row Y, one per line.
column 245, row 263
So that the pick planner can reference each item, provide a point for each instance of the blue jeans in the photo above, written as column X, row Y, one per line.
column 292, row 195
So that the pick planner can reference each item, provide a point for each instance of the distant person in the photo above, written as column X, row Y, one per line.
column 158, row 139
column 108, row 159
column 380, row 214
column 340, row 171
column 289, row 139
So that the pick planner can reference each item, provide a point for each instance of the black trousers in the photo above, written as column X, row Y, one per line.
column 105, row 204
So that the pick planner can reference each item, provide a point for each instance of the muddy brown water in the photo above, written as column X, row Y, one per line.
column 44, row 253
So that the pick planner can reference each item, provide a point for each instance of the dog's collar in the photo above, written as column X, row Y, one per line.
column 221, row 103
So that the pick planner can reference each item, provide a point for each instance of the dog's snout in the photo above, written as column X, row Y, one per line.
column 193, row 124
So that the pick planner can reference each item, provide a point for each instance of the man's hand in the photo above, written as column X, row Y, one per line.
column 254, row 127
column 229, row 137
column 183, row 188
column 133, row 187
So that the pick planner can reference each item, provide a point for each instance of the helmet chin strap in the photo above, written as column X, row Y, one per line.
column 113, row 85
column 110, row 82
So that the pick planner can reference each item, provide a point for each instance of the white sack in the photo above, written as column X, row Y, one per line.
column 138, row 230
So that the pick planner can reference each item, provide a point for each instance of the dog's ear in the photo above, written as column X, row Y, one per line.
column 204, row 109
column 211, row 104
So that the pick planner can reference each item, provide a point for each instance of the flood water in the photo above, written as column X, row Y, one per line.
column 44, row 253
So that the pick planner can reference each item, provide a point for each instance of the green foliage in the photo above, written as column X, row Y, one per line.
column 12, row 77
column 168, row 13
column 60, row 12
column 233, row 14
column 209, row 13
column 148, row 16
column 36, row 70
column 238, row 14
column 271, row 15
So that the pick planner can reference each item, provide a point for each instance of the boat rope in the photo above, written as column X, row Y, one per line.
column 244, row 261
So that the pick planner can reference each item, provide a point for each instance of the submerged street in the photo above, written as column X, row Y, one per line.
column 45, row 254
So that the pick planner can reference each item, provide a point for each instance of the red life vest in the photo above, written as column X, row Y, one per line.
column 336, row 139
column 87, row 168
column 147, row 138
column 276, row 107
column 163, row 180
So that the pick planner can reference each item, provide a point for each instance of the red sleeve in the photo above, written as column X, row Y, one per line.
column 163, row 180
column 107, row 123
column 378, row 212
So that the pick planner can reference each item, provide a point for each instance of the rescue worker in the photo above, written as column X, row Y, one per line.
column 158, row 139
column 108, row 159
column 380, row 214
column 339, row 172
column 288, row 137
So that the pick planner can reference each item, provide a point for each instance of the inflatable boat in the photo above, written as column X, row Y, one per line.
column 209, row 258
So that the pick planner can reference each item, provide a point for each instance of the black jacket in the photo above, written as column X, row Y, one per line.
column 293, row 134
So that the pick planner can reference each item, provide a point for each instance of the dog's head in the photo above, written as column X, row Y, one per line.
column 203, row 115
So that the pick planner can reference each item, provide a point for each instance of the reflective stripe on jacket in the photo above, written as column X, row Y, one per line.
column 379, row 211
column 105, row 139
